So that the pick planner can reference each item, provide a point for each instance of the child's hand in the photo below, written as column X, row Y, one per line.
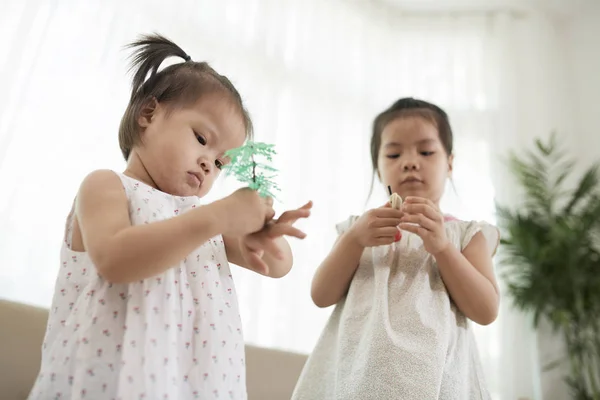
column 425, row 219
column 254, row 246
column 246, row 212
column 377, row 227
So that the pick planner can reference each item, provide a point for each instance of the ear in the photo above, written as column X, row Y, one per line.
column 147, row 113
column 450, row 164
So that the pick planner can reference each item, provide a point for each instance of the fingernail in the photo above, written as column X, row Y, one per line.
column 398, row 236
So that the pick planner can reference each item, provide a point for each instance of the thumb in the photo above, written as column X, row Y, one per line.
column 387, row 204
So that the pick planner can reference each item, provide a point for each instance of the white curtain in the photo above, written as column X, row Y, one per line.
column 314, row 75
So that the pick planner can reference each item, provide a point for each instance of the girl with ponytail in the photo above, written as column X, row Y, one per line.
column 145, row 304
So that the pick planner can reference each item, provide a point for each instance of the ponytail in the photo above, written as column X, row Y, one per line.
column 179, row 84
column 150, row 51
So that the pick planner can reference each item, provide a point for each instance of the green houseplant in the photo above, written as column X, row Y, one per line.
column 551, row 256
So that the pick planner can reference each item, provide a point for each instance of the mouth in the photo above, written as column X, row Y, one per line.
column 411, row 180
column 196, row 178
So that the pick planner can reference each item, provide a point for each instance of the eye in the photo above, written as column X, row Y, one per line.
column 393, row 155
column 200, row 138
column 427, row 153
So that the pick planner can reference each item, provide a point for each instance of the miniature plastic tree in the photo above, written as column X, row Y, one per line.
column 257, row 175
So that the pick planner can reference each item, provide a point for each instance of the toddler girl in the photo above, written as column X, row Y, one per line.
column 400, row 329
column 145, row 305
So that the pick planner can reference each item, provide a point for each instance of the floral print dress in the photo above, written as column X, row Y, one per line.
column 173, row 336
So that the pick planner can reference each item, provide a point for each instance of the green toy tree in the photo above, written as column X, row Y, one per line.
column 257, row 175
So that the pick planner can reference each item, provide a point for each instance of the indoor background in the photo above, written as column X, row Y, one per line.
column 314, row 74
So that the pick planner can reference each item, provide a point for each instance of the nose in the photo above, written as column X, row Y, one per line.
column 410, row 164
column 206, row 166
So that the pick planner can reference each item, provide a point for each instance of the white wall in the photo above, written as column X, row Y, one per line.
column 581, row 43
column 584, row 41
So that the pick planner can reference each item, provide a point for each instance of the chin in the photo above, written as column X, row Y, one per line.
column 195, row 192
column 204, row 189
column 183, row 190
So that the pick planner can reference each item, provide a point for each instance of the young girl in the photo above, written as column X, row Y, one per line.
column 145, row 306
column 400, row 329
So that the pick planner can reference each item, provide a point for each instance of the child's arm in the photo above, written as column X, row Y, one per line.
column 333, row 277
column 468, row 276
column 123, row 253
column 267, row 252
column 275, row 263
column 470, row 280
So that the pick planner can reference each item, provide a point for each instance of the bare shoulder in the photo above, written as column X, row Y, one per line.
column 101, row 209
column 101, row 179
column 101, row 189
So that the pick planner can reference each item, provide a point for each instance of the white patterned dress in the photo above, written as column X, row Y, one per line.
column 173, row 336
column 397, row 335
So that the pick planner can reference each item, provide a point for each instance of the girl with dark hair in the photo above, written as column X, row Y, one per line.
column 401, row 325
column 145, row 304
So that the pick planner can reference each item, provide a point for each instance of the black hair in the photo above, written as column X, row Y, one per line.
column 176, row 85
column 409, row 107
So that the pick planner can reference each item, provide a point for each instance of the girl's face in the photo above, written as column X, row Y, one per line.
column 412, row 159
column 182, row 149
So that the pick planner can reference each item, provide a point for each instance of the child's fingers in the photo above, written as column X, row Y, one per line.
column 385, row 222
column 387, row 212
column 425, row 209
column 285, row 230
column 383, row 241
column 271, row 247
column 307, row 206
column 388, row 231
column 291, row 216
column 416, row 229
column 421, row 200
column 264, row 242
column 270, row 214
column 420, row 220
column 415, row 200
column 256, row 263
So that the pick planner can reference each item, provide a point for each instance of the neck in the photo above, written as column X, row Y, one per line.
column 137, row 170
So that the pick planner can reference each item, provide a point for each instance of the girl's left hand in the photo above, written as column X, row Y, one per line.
column 254, row 246
column 425, row 219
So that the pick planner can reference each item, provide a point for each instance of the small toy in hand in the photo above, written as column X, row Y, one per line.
column 396, row 202
column 257, row 175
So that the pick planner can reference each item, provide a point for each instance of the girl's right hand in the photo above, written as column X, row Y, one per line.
column 376, row 227
column 246, row 212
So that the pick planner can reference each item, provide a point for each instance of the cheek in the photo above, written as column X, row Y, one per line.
column 386, row 165
column 385, row 171
column 441, row 170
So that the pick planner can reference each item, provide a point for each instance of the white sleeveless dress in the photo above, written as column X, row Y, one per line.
column 173, row 336
column 397, row 335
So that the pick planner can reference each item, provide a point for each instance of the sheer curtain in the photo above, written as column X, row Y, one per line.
column 313, row 73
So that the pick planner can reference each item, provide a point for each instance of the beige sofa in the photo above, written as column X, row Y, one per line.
column 271, row 374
